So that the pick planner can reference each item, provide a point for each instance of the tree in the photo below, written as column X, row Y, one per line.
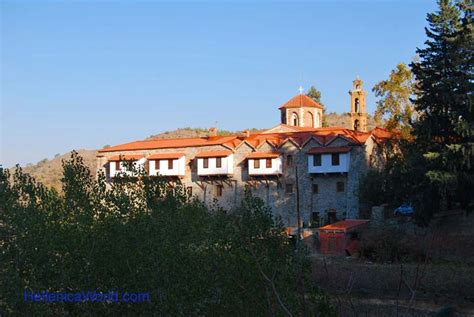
column 143, row 234
column 444, row 130
column 395, row 105
column 315, row 94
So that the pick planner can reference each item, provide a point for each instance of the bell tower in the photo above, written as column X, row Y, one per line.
column 358, row 114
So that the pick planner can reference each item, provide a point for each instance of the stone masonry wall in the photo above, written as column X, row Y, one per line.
column 272, row 189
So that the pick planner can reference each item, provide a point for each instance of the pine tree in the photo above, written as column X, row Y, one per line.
column 315, row 94
column 444, row 130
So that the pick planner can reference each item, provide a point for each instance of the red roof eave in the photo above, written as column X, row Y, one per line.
column 330, row 149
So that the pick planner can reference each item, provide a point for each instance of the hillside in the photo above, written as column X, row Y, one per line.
column 49, row 172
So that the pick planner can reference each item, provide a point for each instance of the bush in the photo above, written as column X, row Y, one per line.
column 144, row 235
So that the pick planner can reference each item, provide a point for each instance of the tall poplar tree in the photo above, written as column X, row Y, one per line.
column 394, row 103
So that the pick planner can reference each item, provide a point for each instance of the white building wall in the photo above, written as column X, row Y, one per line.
column 177, row 170
column 263, row 170
column 226, row 168
column 140, row 164
column 326, row 164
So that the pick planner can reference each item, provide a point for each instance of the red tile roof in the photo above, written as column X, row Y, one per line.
column 344, row 225
column 258, row 155
column 329, row 149
column 125, row 158
column 299, row 101
column 164, row 156
column 298, row 136
column 214, row 154
column 169, row 143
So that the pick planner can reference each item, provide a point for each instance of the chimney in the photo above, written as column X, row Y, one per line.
column 212, row 132
column 247, row 133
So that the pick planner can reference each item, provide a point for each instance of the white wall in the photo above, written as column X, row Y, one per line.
column 326, row 164
column 177, row 170
column 137, row 164
column 263, row 170
column 226, row 168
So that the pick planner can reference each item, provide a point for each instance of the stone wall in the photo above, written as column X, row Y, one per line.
column 271, row 189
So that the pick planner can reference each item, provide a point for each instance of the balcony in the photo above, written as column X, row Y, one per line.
column 323, row 160
column 215, row 163
column 167, row 164
column 118, row 164
column 264, row 163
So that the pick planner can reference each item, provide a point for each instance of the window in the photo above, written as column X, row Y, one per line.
column 170, row 164
column 268, row 163
column 356, row 125
column 335, row 159
column 315, row 188
column 219, row 190
column 289, row 160
column 295, row 119
column 356, row 103
column 219, row 162
column 315, row 219
column 117, row 165
column 340, row 187
column 205, row 162
column 256, row 163
column 317, row 160
column 189, row 191
column 289, row 188
column 332, row 218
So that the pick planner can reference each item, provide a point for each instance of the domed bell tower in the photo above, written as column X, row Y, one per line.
column 358, row 114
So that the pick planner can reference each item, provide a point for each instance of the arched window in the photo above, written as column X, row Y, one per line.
column 356, row 125
column 308, row 119
column 295, row 119
column 356, row 105
column 357, row 86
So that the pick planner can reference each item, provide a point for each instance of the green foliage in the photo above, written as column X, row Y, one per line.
column 433, row 171
column 315, row 94
column 141, row 234
column 444, row 76
column 395, row 105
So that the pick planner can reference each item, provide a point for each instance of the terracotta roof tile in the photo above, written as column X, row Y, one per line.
column 169, row 143
column 344, row 225
column 214, row 154
column 258, row 155
column 125, row 158
column 276, row 139
column 299, row 101
column 164, row 156
column 329, row 149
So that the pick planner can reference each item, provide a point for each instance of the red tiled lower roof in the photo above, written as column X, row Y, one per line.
column 165, row 156
column 170, row 143
column 214, row 154
column 125, row 158
column 258, row 155
column 344, row 225
column 329, row 149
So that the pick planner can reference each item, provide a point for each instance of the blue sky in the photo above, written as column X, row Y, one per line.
column 83, row 74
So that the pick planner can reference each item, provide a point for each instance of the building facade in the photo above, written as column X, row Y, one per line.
column 324, row 165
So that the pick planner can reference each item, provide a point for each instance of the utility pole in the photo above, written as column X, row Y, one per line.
column 300, row 278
